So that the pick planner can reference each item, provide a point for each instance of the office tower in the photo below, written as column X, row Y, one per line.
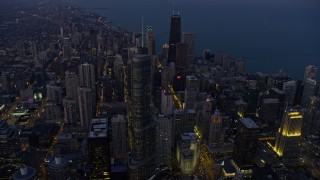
column 87, row 76
column 190, row 39
column 172, row 71
column 289, row 134
column 70, row 111
column 191, row 92
column 54, row 92
column 5, row 81
column 118, row 144
column 58, row 168
column 53, row 113
column 311, row 118
column 175, row 36
column 309, row 90
column 141, row 125
column 10, row 152
column 269, row 112
column 290, row 88
column 310, row 72
column 218, row 58
column 226, row 60
column 239, row 65
column 150, row 41
column 166, row 102
column 164, row 78
column 183, row 121
column 118, row 78
column 25, row 173
column 164, row 141
column 245, row 145
column 106, row 89
column 98, row 149
column 88, row 80
column 181, row 60
column 165, row 50
column 203, row 120
column 67, row 50
column 72, row 84
column 188, row 152
column 216, row 130
column 85, row 106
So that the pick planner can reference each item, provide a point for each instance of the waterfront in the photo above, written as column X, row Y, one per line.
column 269, row 34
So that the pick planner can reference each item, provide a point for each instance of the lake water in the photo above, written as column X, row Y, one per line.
column 268, row 34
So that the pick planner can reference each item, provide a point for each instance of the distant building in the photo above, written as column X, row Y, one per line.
column 290, row 89
column 190, row 39
column 175, row 36
column 309, row 90
column 310, row 72
column 181, row 60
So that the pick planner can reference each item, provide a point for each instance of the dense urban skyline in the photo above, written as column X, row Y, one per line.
column 82, row 98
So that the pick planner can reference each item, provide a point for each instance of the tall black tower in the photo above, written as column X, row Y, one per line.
column 175, row 36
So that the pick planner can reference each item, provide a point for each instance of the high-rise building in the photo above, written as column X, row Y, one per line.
column 183, row 121
column 118, row 144
column 190, row 39
column 181, row 60
column 54, row 92
column 72, row 84
column 175, row 36
column 98, row 149
column 290, row 88
column 289, row 134
column 140, row 123
column 311, row 118
column 150, row 41
column 88, row 80
column 25, row 173
column 70, row 111
column 87, row 76
column 85, row 106
column 269, row 112
column 164, row 141
column 309, row 90
column 53, row 113
column 204, row 119
column 191, row 92
column 10, row 152
column 216, row 130
column 239, row 65
column 245, row 145
column 310, row 72
column 166, row 102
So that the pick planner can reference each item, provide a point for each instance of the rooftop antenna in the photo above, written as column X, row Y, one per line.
column 142, row 34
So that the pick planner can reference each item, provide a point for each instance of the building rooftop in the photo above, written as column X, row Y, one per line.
column 249, row 123
column 98, row 128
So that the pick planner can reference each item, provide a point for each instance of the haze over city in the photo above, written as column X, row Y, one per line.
column 119, row 89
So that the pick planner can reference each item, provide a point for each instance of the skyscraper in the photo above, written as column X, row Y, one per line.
column 175, row 36
column 70, row 110
column 88, row 80
column 141, row 125
column 72, row 84
column 245, row 144
column 98, row 149
column 289, row 134
column 85, row 106
column 310, row 72
column 118, row 144
column 309, row 90
column 181, row 56
column 150, row 41
column 216, row 130
column 290, row 89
